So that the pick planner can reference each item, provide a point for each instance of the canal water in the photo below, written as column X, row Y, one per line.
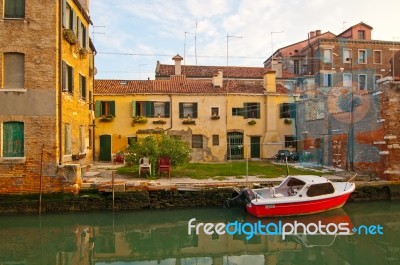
column 162, row 237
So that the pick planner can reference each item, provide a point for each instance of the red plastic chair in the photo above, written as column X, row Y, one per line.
column 164, row 165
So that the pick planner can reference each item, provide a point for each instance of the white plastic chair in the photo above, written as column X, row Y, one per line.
column 144, row 164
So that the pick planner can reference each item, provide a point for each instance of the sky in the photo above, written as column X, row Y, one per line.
column 130, row 36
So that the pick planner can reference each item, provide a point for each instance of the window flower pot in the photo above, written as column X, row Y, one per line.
column 139, row 120
column 287, row 121
column 215, row 117
column 108, row 118
column 70, row 37
column 159, row 122
column 189, row 122
column 252, row 122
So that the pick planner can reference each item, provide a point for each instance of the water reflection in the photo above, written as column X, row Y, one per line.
column 161, row 237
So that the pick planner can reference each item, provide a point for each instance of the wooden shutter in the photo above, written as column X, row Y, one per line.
column 149, row 109
column 181, row 110
column 64, row 77
column 292, row 110
column 13, row 139
column 97, row 110
column 112, row 108
column 246, row 110
column 167, row 109
column 195, row 110
column 133, row 108
column 74, row 24
column 64, row 11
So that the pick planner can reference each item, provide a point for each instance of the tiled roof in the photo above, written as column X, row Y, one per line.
column 177, row 85
column 195, row 71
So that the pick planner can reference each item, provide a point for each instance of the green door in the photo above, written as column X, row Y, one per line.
column 255, row 146
column 105, row 147
column 235, row 145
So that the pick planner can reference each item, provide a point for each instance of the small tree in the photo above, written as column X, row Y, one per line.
column 155, row 147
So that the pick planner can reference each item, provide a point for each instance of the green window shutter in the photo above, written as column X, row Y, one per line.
column 133, row 108
column 13, row 142
column 195, row 110
column 98, row 108
column 180, row 110
column 281, row 115
column 112, row 108
column 166, row 109
column 64, row 77
column 246, row 110
column 292, row 110
column 149, row 109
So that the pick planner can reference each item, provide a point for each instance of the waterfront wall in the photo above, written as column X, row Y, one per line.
column 93, row 200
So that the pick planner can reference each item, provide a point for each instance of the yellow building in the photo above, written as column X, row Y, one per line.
column 222, row 119
column 46, row 81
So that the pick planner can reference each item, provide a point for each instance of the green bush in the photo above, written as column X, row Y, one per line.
column 155, row 147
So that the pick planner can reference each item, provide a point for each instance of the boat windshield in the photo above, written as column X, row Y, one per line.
column 295, row 182
column 320, row 189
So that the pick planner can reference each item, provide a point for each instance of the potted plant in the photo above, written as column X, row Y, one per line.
column 252, row 122
column 189, row 122
column 215, row 117
column 83, row 53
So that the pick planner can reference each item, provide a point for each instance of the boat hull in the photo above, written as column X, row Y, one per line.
column 297, row 208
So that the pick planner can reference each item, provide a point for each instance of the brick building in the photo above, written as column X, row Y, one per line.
column 46, row 77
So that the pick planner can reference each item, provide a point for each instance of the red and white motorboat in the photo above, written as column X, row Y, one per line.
column 297, row 195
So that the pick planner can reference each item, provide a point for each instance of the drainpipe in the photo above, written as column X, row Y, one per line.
column 60, row 82
column 170, row 112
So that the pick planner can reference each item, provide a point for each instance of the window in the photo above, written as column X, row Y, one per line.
column 347, row 56
column 82, row 86
column 290, row 141
column 252, row 110
column 67, row 78
column 187, row 110
column 69, row 17
column 361, row 34
column 237, row 111
column 362, row 56
column 362, row 82
column 327, row 55
column 347, row 80
column 82, row 148
column 14, row 70
column 376, row 78
column 105, row 108
column 215, row 140
column 296, row 67
column 320, row 189
column 150, row 109
column 13, row 139
column 327, row 80
column 215, row 112
column 67, row 138
column 82, row 35
column 197, row 141
column 377, row 57
column 14, row 8
column 287, row 110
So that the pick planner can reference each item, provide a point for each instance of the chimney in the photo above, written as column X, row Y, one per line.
column 218, row 78
column 270, row 81
column 318, row 32
column 178, row 68
column 277, row 67
column 312, row 34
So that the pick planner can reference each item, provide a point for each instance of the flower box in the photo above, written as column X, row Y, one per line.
column 252, row 122
column 287, row 121
column 139, row 120
column 189, row 122
column 107, row 118
column 215, row 117
column 159, row 122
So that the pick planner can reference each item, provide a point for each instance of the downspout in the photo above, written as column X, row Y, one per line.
column 60, row 78
column 170, row 113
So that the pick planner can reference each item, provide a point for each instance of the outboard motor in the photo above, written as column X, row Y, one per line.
column 244, row 197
